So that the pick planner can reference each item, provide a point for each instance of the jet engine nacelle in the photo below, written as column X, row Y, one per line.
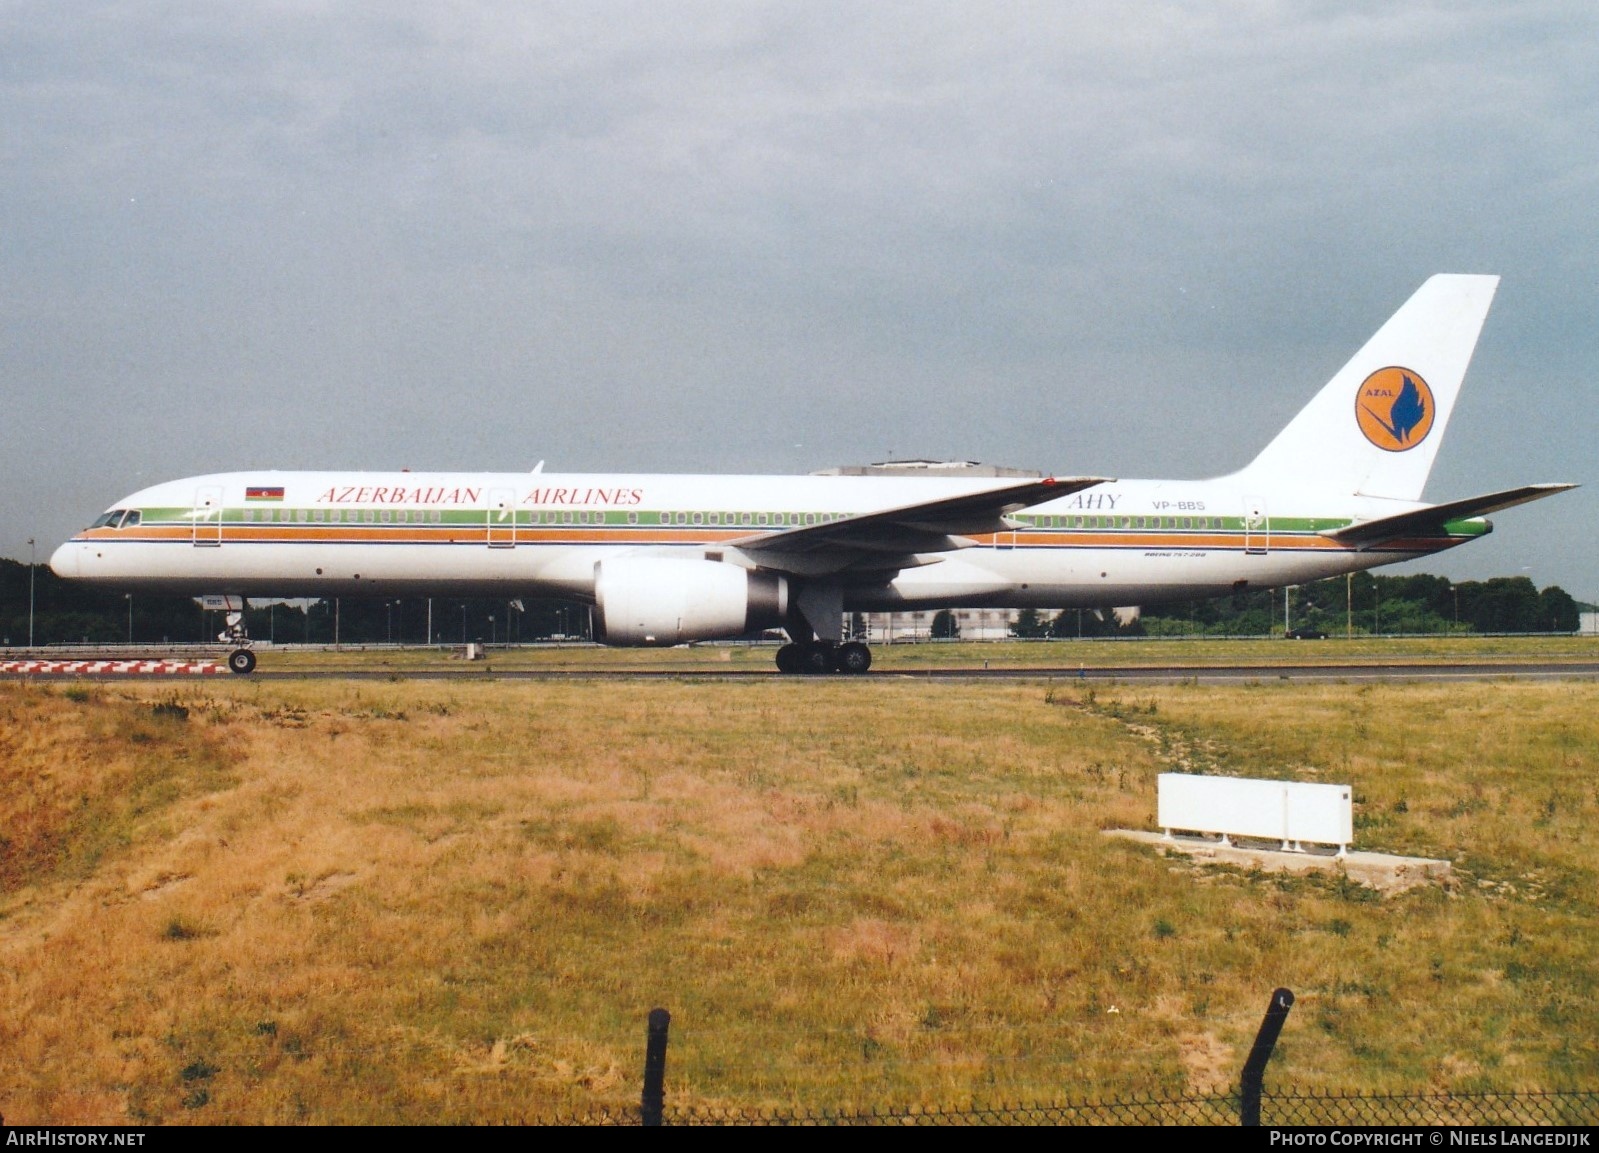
column 644, row 600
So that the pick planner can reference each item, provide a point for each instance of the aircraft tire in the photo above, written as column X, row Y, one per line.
column 788, row 659
column 241, row 661
column 852, row 658
column 815, row 659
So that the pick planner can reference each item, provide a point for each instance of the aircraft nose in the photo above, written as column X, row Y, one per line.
column 64, row 561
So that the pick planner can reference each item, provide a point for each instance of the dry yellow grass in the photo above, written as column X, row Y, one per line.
column 451, row 902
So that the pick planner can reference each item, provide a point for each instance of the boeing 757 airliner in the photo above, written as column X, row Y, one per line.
column 670, row 559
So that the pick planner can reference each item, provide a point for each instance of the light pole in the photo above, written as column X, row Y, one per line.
column 32, row 567
column 388, row 608
column 130, row 617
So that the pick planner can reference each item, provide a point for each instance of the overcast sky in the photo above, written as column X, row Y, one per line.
column 457, row 234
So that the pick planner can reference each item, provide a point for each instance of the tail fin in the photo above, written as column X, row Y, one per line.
column 1374, row 429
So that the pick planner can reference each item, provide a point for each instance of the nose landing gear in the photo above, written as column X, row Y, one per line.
column 241, row 660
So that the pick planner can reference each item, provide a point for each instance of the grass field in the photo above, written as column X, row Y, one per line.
column 269, row 901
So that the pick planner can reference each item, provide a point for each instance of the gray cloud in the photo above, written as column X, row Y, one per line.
column 724, row 237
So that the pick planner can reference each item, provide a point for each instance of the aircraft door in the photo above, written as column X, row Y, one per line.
column 500, row 518
column 1257, row 526
column 207, row 516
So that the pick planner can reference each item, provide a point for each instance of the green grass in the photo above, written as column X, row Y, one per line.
column 1069, row 654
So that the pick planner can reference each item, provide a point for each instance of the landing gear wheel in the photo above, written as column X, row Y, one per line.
column 815, row 659
column 241, row 661
column 853, row 658
column 788, row 659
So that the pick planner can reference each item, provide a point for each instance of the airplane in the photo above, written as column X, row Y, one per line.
column 666, row 560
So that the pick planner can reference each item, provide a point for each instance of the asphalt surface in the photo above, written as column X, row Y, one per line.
column 1155, row 674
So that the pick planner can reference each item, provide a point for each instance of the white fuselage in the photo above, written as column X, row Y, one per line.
column 324, row 534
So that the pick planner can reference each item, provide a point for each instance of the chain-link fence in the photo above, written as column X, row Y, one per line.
column 1287, row 1108
column 1249, row 1104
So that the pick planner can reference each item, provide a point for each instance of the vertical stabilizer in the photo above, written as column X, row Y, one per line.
column 1375, row 428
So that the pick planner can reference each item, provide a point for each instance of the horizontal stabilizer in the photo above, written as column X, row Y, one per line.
column 1431, row 520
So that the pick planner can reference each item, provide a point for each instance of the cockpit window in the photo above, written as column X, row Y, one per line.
column 110, row 519
column 131, row 519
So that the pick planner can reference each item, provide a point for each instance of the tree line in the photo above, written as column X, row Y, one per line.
column 1363, row 603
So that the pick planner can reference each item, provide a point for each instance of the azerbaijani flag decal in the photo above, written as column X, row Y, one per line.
column 258, row 492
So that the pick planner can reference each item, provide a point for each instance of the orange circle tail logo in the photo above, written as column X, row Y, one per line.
column 1394, row 409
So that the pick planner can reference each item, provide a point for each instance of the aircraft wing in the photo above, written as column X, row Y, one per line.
column 894, row 537
column 1431, row 521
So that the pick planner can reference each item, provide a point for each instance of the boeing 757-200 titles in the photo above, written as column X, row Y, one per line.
column 670, row 559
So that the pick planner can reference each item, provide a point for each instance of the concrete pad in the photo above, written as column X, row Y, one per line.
column 1381, row 871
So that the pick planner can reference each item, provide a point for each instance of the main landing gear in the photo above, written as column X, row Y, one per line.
column 815, row 658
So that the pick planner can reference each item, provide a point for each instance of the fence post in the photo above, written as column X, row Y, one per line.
column 654, row 1101
column 1255, row 1068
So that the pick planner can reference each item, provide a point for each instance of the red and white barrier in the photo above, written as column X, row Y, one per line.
column 118, row 668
